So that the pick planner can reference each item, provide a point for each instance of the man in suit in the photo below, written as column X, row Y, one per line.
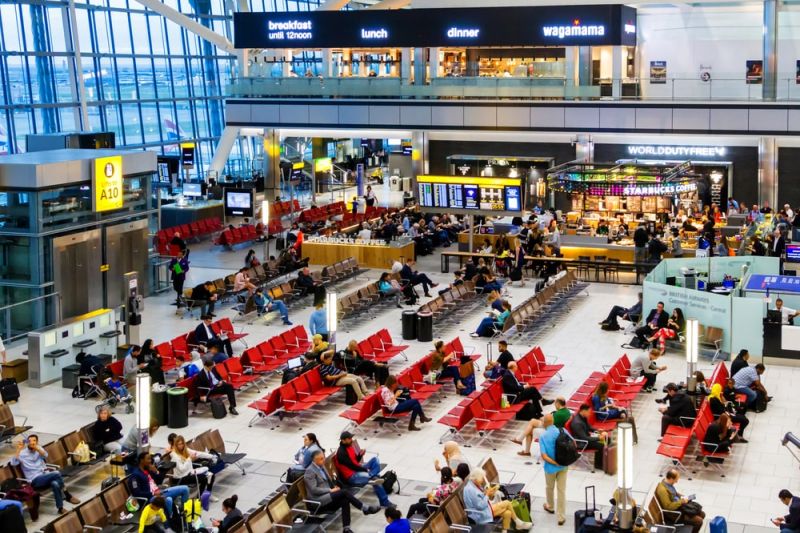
column 680, row 412
column 320, row 487
column 206, row 336
column 522, row 393
column 656, row 319
column 209, row 382
column 581, row 430
column 778, row 244
column 791, row 522
column 415, row 278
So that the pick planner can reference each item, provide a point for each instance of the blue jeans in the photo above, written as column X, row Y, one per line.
column 752, row 395
column 359, row 479
column 171, row 493
column 485, row 327
column 10, row 503
column 55, row 482
column 787, row 529
column 493, row 286
column 409, row 405
column 281, row 307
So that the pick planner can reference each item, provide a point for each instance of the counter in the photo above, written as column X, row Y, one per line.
column 477, row 240
column 380, row 257
column 781, row 341
column 175, row 215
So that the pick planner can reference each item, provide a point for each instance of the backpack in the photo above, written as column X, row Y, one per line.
column 82, row 453
column 566, row 449
column 217, row 407
column 389, row 481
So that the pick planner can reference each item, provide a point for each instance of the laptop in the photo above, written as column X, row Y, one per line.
column 293, row 363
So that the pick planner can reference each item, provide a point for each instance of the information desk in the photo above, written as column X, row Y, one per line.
column 477, row 240
column 320, row 253
column 175, row 215
column 781, row 340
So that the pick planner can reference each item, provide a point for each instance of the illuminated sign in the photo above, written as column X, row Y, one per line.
column 187, row 155
column 107, row 183
column 470, row 194
column 463, row 33
column 576, row 30
column 323, row 164
column 676, row 151
column 661, row 189
column 629, row 28
column 289, row 30
column 380, row 33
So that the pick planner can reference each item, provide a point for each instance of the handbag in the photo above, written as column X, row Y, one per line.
column 82, row 454
column 405, row 395
column 691, row 508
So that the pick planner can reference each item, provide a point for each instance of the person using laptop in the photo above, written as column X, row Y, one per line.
column 787, row 313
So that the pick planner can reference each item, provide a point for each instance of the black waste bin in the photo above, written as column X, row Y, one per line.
column 178, row 407
column 69, row 376
column 409, row 325
column 424, row 327
column 122, row 351
column 158, row 407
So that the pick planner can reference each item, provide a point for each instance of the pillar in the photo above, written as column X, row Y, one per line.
column 44, row 69
column 769, row 85
column 202, row 8
column 570, row 63
column 584, row 65
column 473, row 64
column 616, row 72
column 272, row 163
column 420, row 164
column 768, row 171
column 405, row 64
column 420, row 65
column 327, row 63
column 584, row 148
column 286, row 66
column 433, row 62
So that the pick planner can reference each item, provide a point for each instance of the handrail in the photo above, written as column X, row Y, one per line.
column 7, row 309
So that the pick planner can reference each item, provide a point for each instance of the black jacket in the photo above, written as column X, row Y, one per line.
column 793, row 518
column 305, row 282
column 738, row 364
column 201, row 336
column 681, row 405
column 406, row 272
column 202, row 384
column 511, row 384
column 230, row 520
column 201, row 293
column 504, row 358
column 713, row 436
column 581, row 430
column 108, row 431
column 777, row 248
column 640, row 237
column 662, row 319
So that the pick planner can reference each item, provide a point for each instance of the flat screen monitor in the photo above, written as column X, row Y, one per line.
column 465, row 195
column 774, row 316
column 163, row 172
column 239, row 202
column 194, row 190
column 793, row 253
column 295, row 362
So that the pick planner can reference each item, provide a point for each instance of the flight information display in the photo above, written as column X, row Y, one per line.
column 471, row 194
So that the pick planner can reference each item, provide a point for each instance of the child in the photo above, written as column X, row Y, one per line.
column 153, row 517
column 117, row 386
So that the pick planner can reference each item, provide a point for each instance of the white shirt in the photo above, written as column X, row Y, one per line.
column 365, row 234
column 2, row 346
column 786, row 312
column 789, row 214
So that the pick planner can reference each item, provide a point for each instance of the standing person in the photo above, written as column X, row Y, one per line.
column 645, row 365
column 177, row 240
column 519, row 262
column 320, row 487
column 131, row 365
column 555, row 474
column 318, row 322
column 791, row 522
column 391, row 395
column 107, row 430
column 670, row 499
column 30, row 457
column 178, row 267
column 354, row 472
column 208, row 382
column 640, row 239
column 250, row 260
column 232, row 515
column 369, row 196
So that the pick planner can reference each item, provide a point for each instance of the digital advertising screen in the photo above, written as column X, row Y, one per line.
column 470, row 194
column 239, row 202
column 793, row 253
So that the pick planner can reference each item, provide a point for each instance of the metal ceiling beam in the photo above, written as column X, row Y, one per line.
column 189, row 24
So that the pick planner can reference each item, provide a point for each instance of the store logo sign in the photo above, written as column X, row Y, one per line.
column 464, row 169
column 576, row 30
column 463, row 33
column 665, row 189
column 107, row 183
column 380, row 33
column 629, row 28
column 289, row 30
column 676, row 151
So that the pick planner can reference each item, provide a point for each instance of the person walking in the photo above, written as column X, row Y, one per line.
column 555, row 474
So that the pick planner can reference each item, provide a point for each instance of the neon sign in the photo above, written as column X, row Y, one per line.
column 662, row 189
column 293, row 30
column 576, row 30
column 463, row 33
column 676, row 151
column 379, row 33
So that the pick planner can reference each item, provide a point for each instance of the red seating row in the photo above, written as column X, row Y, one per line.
column 533, row 368
column 233, row 236
column 380, row 347
column 279, row 209
column 231, row 370
column 349, row 218
column 201, row 228
column 294, row 397
column 272, row 354
column 324, row 212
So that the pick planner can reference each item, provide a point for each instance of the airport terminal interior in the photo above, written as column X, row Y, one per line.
column 399, row 265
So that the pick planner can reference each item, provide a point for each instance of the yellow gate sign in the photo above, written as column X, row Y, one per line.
column 107, row 183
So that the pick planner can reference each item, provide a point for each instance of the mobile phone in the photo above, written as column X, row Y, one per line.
column 691, row 497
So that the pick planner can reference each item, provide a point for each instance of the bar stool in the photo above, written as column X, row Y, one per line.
column 598, row 268
column 612, row 271
column 583, row 264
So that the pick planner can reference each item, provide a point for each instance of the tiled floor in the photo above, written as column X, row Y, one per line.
column 747, row 496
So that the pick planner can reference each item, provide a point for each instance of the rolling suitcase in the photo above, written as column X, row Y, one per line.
column 610, row 460
column 718, row 525
column 586, row 519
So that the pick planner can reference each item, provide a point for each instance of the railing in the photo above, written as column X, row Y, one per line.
column 671, row 89
column 42, row 311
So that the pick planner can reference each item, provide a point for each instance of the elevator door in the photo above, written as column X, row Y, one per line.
column 126, row 251
column 76, row 272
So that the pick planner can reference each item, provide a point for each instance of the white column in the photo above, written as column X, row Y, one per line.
column 223, row 149
column 616, row 72
column 768, row 171
column 570, row 66
column 327, row 62
column 433, row 62
column 287, row 63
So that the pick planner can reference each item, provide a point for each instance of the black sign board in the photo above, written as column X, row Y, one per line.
column 582, row 25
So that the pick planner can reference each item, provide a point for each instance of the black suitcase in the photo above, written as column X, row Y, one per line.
column 350, row 397
column 218, row 407
column 109, row 482
column 515, row 275
column 585, row 519
column 9, row 391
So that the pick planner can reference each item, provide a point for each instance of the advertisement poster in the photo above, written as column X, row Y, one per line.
column 658, row 72
column 755, row 71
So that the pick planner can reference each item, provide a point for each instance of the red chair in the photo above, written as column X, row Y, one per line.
column 266, row 407
column 226, row 327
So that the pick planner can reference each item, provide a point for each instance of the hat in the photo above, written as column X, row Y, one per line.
column 345, row 435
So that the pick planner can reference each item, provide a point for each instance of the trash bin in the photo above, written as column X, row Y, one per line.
column 69, row 376
column 158, row 407
column 409, row 325
column 424, row 327
column 122, row 351
column 178, row 407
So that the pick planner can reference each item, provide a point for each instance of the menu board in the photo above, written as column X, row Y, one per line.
column 471, row 194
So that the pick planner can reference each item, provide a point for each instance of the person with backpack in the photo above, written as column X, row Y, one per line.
column 555, row 472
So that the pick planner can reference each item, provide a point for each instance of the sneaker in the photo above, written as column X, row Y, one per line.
column 369, row 509
column 287, row 323
column 474, row 335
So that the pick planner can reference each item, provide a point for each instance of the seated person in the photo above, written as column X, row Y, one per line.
column 740, row 361
column 354, row 363
column 486, row 282
column 205, row 295
column 700, row 385
column 787, row 314
column 719, row 405
column 131, row 365
column 720, row 434
column 452, row 456
column 144, row 484
column 348, row 461
column 645, row 365
column 31, row 458
column 680, row 412
column 389, row 287
column 656, row 319
column 153, row 519
column 397, row 400
column 117, row 387
column 233, row 516
column 581, row 430
column 302, row 459
column 478, row 496
column 265, row 304
column 560, row 417
column 107, row 430
column 305, row 281
column 488, row 325
column 458, row 279
column 604, row 407
column 747, row 381
column 318, row 346
column 185, row 472
column 494, row 369
column 436, row 496
column 519, row 393
column 671, row 500
column 208, row 382
column 416, row 278
column 441, row 365
column 395, row 521
column 632, row 313
column 790, row 522
column 675, row 326
column 204, row 334
column 336, row 377
column 321, row 488
column 495, row 301
column 242, row 281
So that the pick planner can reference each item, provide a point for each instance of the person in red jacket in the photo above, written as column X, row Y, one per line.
column 348, row 461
